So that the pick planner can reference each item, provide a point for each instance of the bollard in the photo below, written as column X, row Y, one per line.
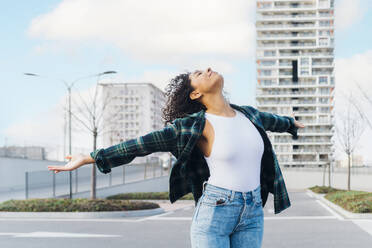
column 26, row 184
column 54, row 184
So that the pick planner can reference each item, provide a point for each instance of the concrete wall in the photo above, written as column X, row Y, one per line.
column 301, row 178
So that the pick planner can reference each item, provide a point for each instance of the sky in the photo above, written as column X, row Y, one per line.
column 150, row 41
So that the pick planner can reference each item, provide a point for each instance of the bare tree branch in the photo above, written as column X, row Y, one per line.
column 351, row 129
column 79, row 120
column 85, row 104
column 368, row 100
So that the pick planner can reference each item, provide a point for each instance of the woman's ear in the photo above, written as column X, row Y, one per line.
column 194, row 95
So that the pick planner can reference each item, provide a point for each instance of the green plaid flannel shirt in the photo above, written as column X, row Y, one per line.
column 191, row 169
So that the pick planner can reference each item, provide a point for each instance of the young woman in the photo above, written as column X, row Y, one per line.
column 229, row 212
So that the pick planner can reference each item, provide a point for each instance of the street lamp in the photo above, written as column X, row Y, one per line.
column 69, row 86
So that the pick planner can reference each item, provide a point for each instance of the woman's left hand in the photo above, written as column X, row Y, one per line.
column 297, row 123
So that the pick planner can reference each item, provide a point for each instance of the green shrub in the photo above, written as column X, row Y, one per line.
column 74, row 205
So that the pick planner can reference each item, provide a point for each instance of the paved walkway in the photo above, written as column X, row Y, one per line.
column 307, row 224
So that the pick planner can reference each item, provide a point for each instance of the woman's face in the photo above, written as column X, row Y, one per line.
column 205, row 82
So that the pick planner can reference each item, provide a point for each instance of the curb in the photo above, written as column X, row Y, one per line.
column 83, row 215
column 345, row 213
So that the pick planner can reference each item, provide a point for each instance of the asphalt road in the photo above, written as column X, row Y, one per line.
column 308, row 223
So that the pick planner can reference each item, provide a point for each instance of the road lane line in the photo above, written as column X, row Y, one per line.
column 57, row 235
column 338, row 216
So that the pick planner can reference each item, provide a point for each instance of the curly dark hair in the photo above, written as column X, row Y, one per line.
column 178, row 101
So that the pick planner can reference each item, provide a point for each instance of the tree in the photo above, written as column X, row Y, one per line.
column 367, row 97
column 91, row 113
column 349, row 129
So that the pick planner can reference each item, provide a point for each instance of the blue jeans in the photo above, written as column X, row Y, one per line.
column 227, row 218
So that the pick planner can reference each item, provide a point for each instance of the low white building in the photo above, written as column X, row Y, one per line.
column 133, row 109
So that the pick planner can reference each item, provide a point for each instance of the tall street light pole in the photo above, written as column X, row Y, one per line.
column 69, row 86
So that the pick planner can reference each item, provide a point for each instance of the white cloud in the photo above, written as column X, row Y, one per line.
column 163, row 31
column 348, row 12
column 348, row 71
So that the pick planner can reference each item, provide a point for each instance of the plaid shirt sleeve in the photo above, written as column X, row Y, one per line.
column 278, row 123
column 162, row 140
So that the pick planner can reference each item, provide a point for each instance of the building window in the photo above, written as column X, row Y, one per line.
column 294, row 70
column 266, row 72
column 268, row 62
column 324, row 91
column 269, row 53
column 324, row 33
column 332, row 81
column 323, row 41
column 304, row 61
column 323, row 80
column 324, row 23
column 323, row 3
column 304, row 71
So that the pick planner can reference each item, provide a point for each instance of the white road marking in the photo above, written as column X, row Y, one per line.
column 300, row 217
column 156, row 216
column 365, row 224
column 56, row 235
column 69, row 220
column 338, row 216
column 310, row 195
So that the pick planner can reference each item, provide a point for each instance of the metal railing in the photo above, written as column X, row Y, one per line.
column 45, row 184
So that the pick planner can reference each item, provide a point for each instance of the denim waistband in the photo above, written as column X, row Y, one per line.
column 229, row 192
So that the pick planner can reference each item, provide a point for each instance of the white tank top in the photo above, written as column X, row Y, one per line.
column 235, row 159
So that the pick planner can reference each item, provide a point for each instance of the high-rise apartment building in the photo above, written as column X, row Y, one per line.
column 295, row 73
column 132, row 110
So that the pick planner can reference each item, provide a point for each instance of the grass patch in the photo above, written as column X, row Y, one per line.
column 73, row 205
column 350, row 200
column 324, row 189
column 148, row 195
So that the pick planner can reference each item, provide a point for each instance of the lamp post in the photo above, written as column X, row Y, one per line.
column 69, row 86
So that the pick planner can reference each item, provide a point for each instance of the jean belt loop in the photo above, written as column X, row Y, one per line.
column 232, row 194
column 204, row 185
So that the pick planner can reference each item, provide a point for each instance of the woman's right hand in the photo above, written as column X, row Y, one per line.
column 75, row 162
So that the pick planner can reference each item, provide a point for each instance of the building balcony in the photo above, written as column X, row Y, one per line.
column 301, row 53
column 262, row 27
column 297, row 142
column 323, row 64
column 287, row 45
column 291, row 94
column 301, row 151
column 288, row 84
column 285, row 35
column 302, row 17
column 298, row 104
column 286, row 8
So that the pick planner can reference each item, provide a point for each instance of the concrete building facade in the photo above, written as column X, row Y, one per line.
column 132, row 110
column 295, row 73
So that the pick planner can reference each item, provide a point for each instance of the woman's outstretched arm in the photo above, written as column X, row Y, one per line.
column 163, row 140
column 75, row 162
column 278, row 123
